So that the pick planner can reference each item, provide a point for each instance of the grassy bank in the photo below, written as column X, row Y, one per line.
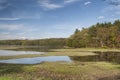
column 87, row 50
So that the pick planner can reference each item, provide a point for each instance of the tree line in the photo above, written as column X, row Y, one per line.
column 99, row 35
column 57, row 42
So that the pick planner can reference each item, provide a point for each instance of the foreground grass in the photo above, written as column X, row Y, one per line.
column 59, row 71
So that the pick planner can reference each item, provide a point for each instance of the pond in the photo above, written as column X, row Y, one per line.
column 112, row 57
column 12, row 53
column 36, row 60
column 32, row 48
column 35, row 48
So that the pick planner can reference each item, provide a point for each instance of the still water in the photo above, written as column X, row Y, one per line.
column 111, row 57
column 37, row 60
column 34, row 48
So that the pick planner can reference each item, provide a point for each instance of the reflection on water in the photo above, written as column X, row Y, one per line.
column 112, row 57
column 12, row 53
column 37, row 60
column 33, row 48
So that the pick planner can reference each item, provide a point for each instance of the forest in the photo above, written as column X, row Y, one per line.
column 55, row 42
column 100, row 35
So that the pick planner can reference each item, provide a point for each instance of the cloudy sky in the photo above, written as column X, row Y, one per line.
column 36, row 19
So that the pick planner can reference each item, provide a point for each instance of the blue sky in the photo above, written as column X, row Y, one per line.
column 37, row 19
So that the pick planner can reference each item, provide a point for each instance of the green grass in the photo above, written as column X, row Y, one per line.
column 59, row 71
column 86, row 50
column 5, row 78
column 9, row 47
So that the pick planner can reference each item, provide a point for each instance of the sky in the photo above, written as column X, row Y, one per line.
column 38, row 19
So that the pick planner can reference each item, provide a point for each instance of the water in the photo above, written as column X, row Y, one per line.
column 33, row 48
column 111, row 57
column 37, row 60
column 36, row 48
column 12, row 53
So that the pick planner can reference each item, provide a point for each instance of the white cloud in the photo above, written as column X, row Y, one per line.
column 5, row 19
column 10, row 36
column 57, row 34
column 112, row 9
column 22, row 15
column 64, row 27
column 69, row 1
column 10, row 27
column 4, row 36
column 3, row 1
column 113, row 2
column 2, row 5
column 47, row 5
column 117, row 12
column 101, row 17
column 17, row 31
column 67, row 26
column 87, row 3
column 25, row 15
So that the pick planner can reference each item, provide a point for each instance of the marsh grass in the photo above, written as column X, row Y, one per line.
column 86, row 50
column 59, row 71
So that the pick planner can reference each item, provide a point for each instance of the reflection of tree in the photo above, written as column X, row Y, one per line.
column 33, row 48
column 113, row 57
